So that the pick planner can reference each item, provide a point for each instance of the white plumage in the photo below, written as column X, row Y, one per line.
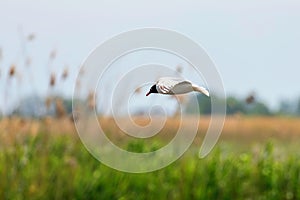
column 174, row 85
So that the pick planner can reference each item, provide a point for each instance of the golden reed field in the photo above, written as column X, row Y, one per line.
column 236, row 127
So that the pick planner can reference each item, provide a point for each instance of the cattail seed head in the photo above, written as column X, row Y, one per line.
column 250, row 99
column 12, row 70
column 52, row 80
column 65, row 74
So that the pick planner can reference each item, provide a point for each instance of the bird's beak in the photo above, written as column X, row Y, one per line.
column 148, row 93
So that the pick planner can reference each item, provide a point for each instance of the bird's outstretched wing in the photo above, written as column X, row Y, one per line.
column 170, row 85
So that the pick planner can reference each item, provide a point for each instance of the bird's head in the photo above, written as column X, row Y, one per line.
column 152, row 90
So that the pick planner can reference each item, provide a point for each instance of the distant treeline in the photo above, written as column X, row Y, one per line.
column 249, row 106
column 34, row 106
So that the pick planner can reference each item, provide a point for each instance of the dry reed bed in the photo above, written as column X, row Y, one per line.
column 235, row 127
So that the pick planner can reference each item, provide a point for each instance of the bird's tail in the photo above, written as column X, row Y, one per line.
column 200, row 89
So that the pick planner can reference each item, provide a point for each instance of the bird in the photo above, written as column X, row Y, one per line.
column 175, row 85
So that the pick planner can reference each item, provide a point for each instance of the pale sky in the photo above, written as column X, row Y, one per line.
column 255, row 44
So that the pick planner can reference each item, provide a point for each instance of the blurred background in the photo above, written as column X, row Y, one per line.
column 255, row 46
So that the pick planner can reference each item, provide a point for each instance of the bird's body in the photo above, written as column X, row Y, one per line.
column 174, row 85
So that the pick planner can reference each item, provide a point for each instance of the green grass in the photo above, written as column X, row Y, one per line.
column 59, row 167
